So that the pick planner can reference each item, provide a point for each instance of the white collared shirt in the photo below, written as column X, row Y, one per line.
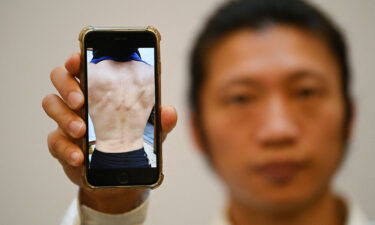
column 355, row 215
column 82, row 215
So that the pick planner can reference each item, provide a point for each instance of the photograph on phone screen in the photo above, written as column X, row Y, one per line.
column 121, row 99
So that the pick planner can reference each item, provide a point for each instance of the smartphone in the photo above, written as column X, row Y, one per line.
column 120, row 78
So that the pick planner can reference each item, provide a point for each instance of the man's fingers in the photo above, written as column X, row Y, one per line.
column 68, row 87
column 73, row 64
column 70, row 122
column 64, row 150
column 68, row 154
column 168, row 120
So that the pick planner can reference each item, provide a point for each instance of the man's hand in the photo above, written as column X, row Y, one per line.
column 63, row 143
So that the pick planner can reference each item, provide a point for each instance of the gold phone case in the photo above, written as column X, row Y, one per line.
column 81, row 38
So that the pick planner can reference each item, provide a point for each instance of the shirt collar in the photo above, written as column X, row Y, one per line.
column 355, row 214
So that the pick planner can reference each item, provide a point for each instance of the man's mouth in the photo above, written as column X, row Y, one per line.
column 279, row 171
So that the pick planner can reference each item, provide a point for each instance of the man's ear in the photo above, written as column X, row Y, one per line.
column 351, row 119
column 195, row 129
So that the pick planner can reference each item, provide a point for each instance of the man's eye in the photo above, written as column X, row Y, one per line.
column 240, row 99
column 307, row 93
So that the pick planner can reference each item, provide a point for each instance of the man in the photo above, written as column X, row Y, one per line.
column 120, row 99
column 272, row 113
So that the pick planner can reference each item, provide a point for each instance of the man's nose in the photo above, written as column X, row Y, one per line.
column 278, row 128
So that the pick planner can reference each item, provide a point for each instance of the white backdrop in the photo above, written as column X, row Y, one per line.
column 37, row 35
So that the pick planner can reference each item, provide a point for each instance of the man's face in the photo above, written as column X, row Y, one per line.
column 272, row 115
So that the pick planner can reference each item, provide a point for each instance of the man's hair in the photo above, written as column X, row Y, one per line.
column 258, row 14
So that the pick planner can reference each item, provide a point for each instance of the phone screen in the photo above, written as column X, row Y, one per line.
column 121, row 108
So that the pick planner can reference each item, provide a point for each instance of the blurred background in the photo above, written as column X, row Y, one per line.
column 38, row 35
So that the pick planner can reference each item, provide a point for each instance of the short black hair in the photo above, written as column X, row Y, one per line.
column 257, row 14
